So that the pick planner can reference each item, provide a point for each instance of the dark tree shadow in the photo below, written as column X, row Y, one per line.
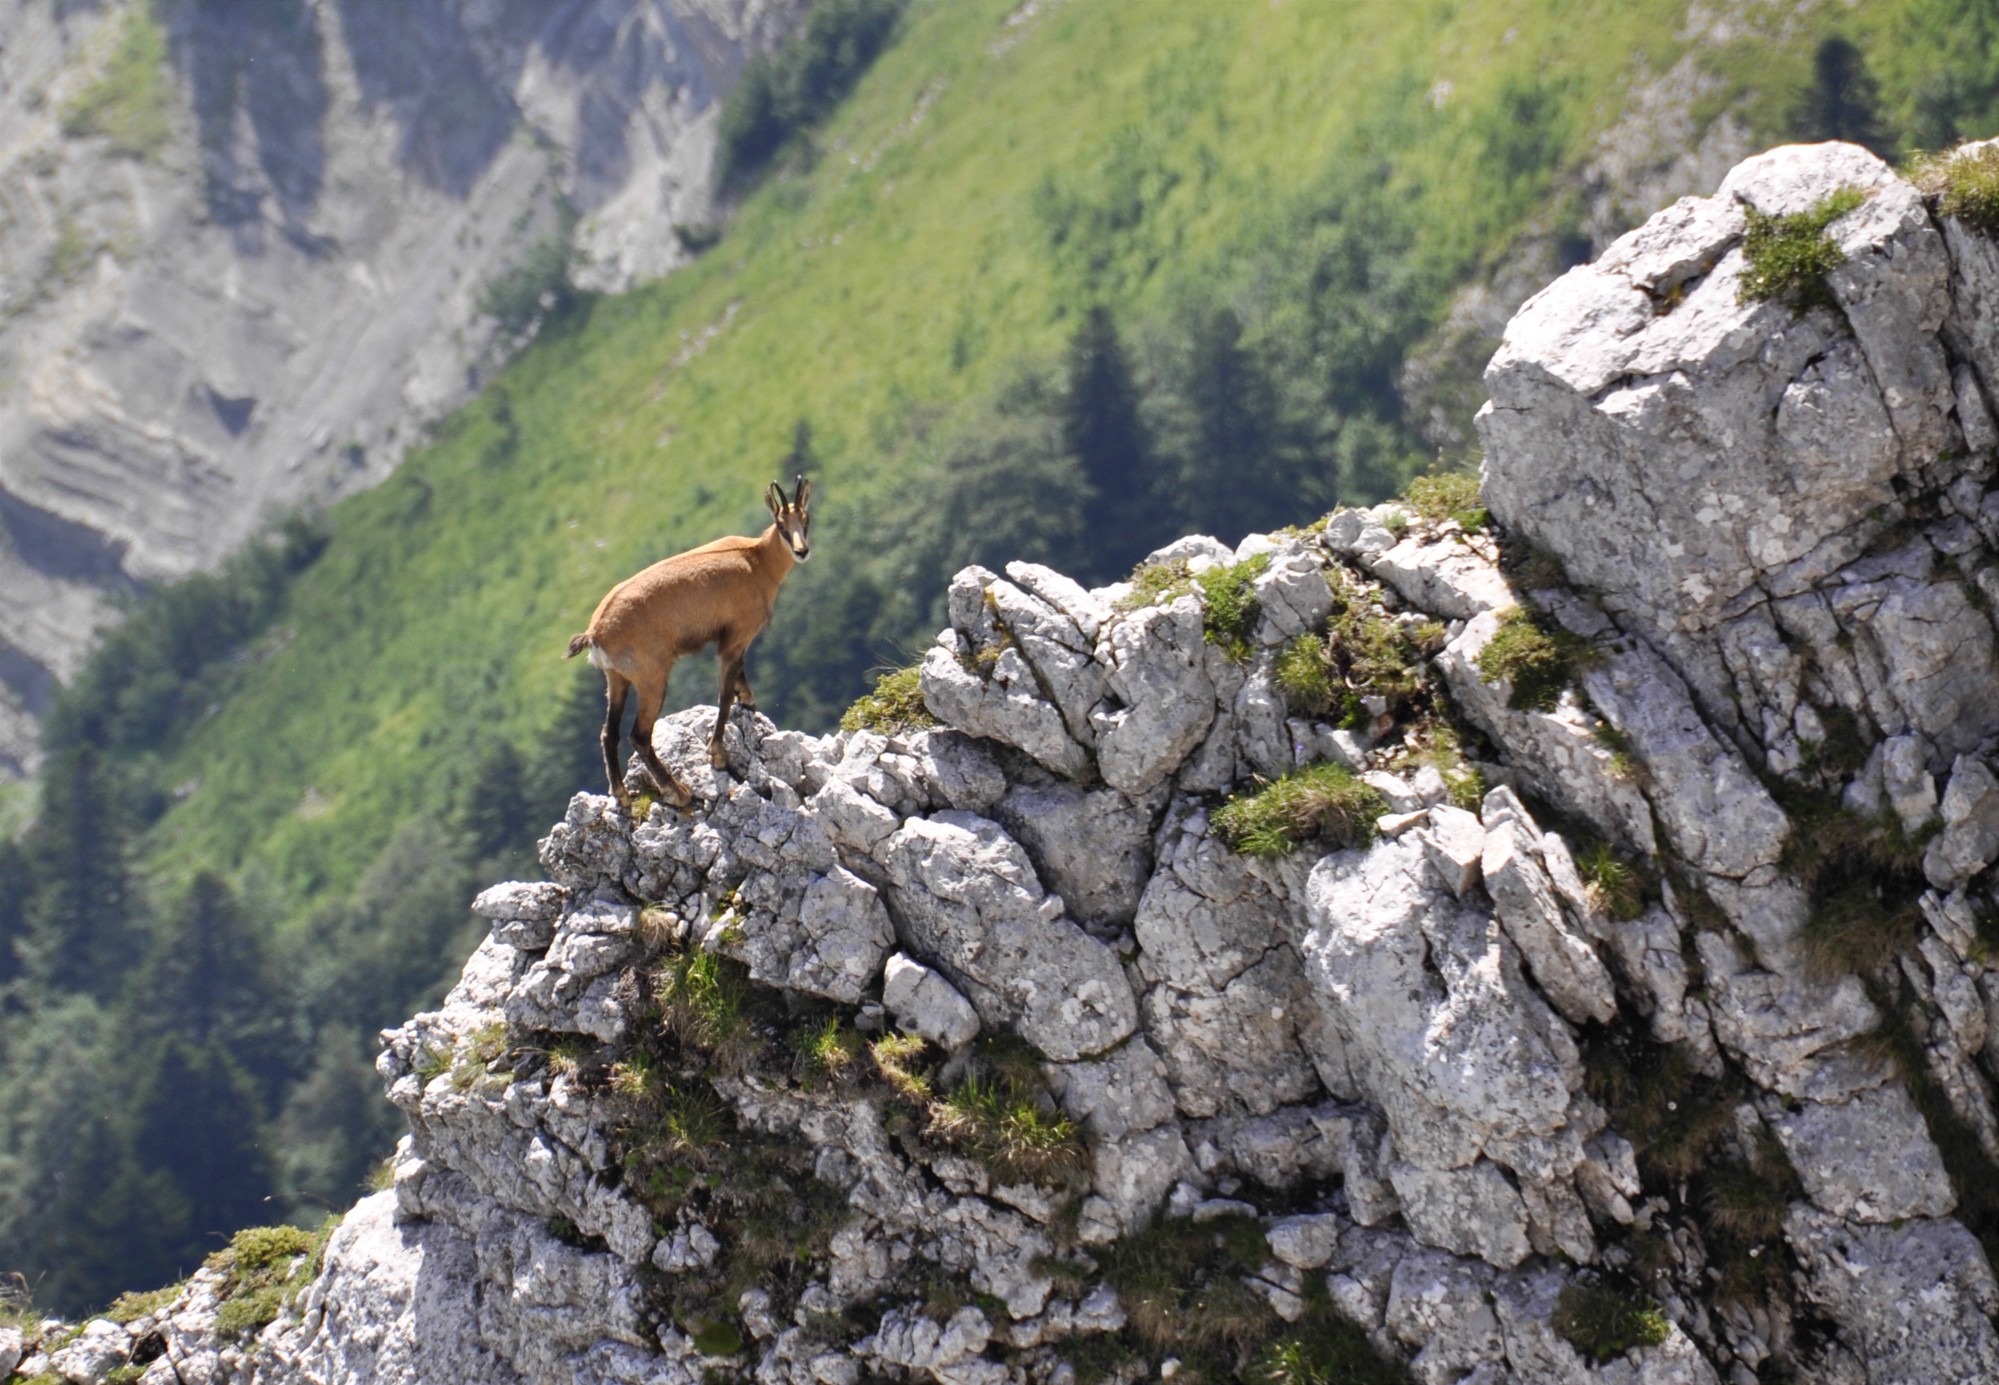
column 257, row 72
column 414, row 58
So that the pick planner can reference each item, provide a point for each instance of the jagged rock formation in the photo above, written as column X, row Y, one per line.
column 1687, row 1005
column 260, row 299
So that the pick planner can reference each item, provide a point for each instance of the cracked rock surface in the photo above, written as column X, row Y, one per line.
column 1677, row 992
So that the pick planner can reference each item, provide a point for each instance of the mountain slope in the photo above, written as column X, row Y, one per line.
column 249, row 253
column 1053, row 283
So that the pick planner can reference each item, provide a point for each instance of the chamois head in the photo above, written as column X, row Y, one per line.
column 794, row 525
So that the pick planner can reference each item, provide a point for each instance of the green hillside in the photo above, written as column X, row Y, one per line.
column 1056, row 285
column 983, row 183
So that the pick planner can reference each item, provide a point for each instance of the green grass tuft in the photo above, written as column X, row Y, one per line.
column 1602, row 1323
column 1449, row 495
column 1617, row 890
column 703, row 999
column 1966, row 187
column 130, row 103
column 1538, row 660
column 1156, row 584
column 1323, row 803
column 265, row 1269
column 130, row 1307
column 1009, row 1131
column 1232, row 607
column 1789, row 256
column 894, row 708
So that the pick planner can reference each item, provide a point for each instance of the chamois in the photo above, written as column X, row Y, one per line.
column 721, row 594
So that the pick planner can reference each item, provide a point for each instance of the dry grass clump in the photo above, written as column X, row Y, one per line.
column 1965, row 185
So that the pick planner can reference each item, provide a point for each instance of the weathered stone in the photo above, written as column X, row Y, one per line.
column 832, row 946
column 1969, row 841
column 924, row 1003
column 1307, row 1241
column 1093, row 847
column 1468, row 1211
column 964, row 895
column 1915, row 1300
column 1454, row 841
column 1156, row 661
column 1869, row 1159
column 1562, row 960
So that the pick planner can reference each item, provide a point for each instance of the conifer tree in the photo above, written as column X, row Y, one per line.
column 80, row 927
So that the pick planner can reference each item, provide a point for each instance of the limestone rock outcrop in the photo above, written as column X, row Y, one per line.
column 1666, row 987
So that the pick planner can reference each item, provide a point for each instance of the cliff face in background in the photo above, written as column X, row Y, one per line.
column 243, row 251
column 1655, row 1027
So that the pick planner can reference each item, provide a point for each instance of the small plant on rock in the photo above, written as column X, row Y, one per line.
column 265, row 1268
column 1156, row 584
column 1322, row 802
column 1539, row 661
column 1603, row 1324
column 894, row 708
column 830, row 1053
column 899, row 1059
column 1789, row 256
column 1324, row 1347
column 703, row 1001
column 1181, row 1283
column 1009, row 1131
column 1615, row 888
column 1966, row 186
column 1449, row 495
column 1232, row 607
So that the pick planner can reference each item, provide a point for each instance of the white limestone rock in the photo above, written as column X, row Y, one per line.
column 1915, row 1300
column 964, row 895
column 1564, row 964
column 1445, row 577
column 1468, row 1211
column 1156, row 664
column 1869, row 1159
column 831, row 946
column 1093, row 847
column 924, row 1003
column 1293, row 595
column 1969, row 841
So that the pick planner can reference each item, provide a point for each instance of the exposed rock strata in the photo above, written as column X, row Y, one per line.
column 264, row 310
column 1422, row 1065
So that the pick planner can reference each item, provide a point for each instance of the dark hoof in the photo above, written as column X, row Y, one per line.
column 717, row 756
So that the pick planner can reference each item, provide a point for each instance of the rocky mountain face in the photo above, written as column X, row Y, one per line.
column 1624, row 1011
column 243, row 252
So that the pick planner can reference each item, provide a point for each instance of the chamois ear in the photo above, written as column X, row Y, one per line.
column 803, row 492
column 774, row 497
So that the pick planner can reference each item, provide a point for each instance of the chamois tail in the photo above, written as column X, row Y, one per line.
column 577, row 644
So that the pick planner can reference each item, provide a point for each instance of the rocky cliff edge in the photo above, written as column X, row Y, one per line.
column 1616, row 1007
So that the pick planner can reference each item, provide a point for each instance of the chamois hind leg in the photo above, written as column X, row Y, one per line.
column 732, row 679
column 616, row 688
column 652, row 692
column 744, row 697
